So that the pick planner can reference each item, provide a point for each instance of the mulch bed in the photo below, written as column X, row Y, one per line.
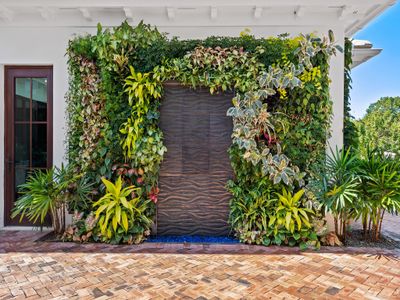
column 355, row 238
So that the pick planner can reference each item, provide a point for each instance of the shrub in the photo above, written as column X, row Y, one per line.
column 379, row 191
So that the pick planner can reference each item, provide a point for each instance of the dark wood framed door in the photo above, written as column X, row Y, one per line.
column 28, row 128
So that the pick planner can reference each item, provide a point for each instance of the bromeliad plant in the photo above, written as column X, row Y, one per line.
column 121, row 214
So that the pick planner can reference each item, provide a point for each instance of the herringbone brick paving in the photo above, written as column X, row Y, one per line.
column 46, row 270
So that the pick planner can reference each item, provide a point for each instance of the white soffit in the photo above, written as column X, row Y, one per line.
column 362, row 52
column 352, row 14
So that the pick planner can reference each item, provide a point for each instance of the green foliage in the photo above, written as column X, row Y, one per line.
column 336, row 185
column 380, row 127
column 288, row 214
column 217, row 68
column 349, row 127
column 47, row 193
column 121, row 214
column 379, row 190
column 142, row 90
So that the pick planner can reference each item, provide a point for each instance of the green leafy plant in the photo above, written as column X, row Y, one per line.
column 290, row 222
column 142, row 89
column 121, row 214
column 46, row 193
column 289, row 214
column 249, row 213
column 337, row 186
column 379, row 192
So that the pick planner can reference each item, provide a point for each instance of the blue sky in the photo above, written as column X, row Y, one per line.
column 379, row 76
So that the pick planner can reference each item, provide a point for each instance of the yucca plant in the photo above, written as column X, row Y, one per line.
column 120, row 211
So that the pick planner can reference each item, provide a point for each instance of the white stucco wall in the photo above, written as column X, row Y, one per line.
column 46, row 46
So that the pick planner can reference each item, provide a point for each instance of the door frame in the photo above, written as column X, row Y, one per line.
column 10, row 72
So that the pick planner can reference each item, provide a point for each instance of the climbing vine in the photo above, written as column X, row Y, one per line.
column 281, row 116
column 350, row 136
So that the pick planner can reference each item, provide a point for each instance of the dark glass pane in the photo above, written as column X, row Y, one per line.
column 39, row 99
column 22, row 98
column 22, row 145
column 39, row 145
column 21, row 174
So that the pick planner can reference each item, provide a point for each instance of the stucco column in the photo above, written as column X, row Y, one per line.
column 336, row 73
column 337, row 93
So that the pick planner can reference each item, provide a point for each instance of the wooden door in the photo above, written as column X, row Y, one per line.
column 28, row 128
column 197, row 133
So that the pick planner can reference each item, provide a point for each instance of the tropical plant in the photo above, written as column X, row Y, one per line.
column 142, row 90
column 290, row 223
column 249, row 209
column 289, row 214
column 46, row 193
column 121, row 214
column 336, row 185
column 380, row 191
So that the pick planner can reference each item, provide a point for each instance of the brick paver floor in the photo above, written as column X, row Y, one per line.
column 49, row 270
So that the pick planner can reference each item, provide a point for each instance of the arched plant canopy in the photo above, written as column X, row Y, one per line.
column 281, row 116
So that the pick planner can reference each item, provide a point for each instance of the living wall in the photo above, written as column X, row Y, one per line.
column 281, row 115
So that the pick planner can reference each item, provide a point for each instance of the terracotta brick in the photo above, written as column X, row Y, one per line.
column 167, row 271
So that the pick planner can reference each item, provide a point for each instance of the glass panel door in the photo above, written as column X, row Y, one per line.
column 29, row 128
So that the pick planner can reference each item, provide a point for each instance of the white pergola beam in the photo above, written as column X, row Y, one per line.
column 188, row 3
column 6, row 14
column 299, row 11
column 47, row 13
column 258, row 12
column 128, row 13
column 213, row 13
column 86, row 13
column 171, row 13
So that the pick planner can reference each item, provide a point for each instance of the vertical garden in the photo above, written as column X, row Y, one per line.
column 281, row 115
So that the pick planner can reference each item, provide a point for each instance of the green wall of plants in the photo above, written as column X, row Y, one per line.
column 281, row 115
